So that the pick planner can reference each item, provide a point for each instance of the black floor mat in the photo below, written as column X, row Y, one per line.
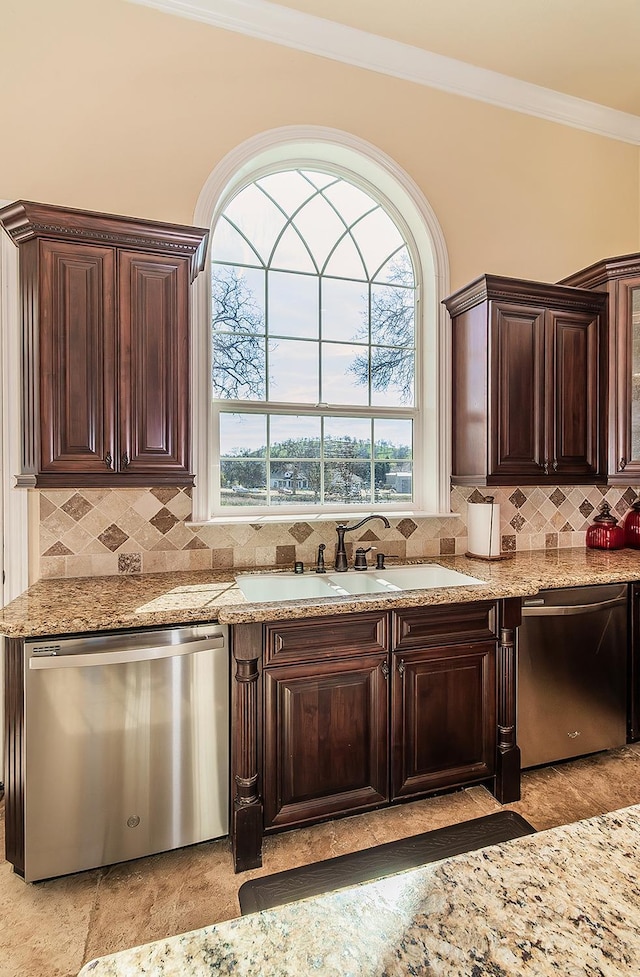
column 373, row 863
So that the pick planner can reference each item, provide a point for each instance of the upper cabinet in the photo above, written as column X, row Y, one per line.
column 619, row 279
column 105, row 317
column 529, row 362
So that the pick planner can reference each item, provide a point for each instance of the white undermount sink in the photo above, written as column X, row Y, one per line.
column 297, row 586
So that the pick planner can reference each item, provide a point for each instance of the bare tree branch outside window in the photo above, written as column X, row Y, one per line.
column 238, row 334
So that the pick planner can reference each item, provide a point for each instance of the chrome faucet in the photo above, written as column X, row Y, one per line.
column 341, row 553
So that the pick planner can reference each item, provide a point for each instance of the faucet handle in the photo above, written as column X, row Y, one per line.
column 361, row 557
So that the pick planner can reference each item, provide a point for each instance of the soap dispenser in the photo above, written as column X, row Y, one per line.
column 604, row 533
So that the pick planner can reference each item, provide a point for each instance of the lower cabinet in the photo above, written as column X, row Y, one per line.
column 443, row 718
column 325, row 738
column 397, row 704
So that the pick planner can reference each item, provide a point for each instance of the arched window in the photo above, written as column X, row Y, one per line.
column 324, row 362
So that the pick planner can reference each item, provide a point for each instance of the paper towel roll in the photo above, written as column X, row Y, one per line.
column 483, row 530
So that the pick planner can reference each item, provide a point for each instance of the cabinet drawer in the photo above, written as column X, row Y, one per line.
column 424, row 627
column 321, row 638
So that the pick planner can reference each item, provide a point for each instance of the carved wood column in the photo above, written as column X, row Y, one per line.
column 246, row 816
column 507, row 780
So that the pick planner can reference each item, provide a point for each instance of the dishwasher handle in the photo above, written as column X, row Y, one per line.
column 550, row 610
column 127, row 657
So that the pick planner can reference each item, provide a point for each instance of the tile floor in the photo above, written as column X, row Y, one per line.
column 51, row 929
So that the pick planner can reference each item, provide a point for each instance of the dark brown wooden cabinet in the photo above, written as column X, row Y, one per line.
column 529, row 362
column 105, row 309
column 364, row 709
column 443, row 730
column 619, row 279
column 325, row 738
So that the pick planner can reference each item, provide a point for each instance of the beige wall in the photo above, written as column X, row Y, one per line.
column 116, row 107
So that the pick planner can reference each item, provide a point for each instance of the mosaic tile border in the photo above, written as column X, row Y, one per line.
column 90, row 532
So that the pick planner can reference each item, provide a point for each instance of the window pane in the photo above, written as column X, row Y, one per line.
column 296, row 483
column 398, row 270
column 243, row 483
column 319, row 180
column 392, row 377
column 293, row 372
column 243, row 434
column 344, row 310
column 295, row 436
column 293, row 305
column 393, row 438
column 347, row 481
column 239, row 366
column 345, row 374
column 346, row 261
column 377, row 237
column 320, row 227
column 257, row 218
column 340, row 444
column 237, row 299
column 393, row 481
column 228, row 245
column 292, row 254
column 392, row 315
column 349, row 200
column 290, row 189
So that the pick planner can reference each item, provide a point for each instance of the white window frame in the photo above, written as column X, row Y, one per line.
column 364, row 164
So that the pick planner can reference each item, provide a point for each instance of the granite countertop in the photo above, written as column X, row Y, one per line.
column 563, row 901
column 82, row 604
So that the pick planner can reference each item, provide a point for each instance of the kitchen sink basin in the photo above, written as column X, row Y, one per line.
column 282, row 586
column 296, row 586
column 423, row 577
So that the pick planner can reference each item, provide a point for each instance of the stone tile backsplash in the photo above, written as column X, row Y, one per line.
column 89, row 532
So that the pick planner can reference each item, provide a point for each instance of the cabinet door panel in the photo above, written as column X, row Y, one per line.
column 325, row 739
column 443, row 730
column 517, row 392
column 154, row 364
column 77, row 357
column 574, row 394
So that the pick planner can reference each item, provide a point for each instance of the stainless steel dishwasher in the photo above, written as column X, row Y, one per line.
column 126, row 742
column 572, row 673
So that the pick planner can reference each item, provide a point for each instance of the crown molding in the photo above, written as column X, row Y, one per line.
column 315, row 35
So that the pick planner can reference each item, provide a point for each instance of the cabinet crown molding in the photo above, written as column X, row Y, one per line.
column 24, row 220
column 497, row 287
column 608, row 269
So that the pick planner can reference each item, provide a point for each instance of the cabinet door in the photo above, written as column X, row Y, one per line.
column 573, row 393
column 625, row 378
column 77, row 358
column 154, row 365
column 325, row 739
column 516, row 422
column 443, row 717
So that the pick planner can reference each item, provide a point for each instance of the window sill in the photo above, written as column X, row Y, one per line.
column 290, row 517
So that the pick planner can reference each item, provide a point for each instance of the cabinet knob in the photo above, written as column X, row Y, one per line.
column 555, row 464
column 401, row 667
column 622, row 464
column 108, row 460
column 385, row 669
column 546, row 467
column 125, row 460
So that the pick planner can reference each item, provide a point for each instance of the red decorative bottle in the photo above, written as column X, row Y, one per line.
column 605, row 533
column 632, row 526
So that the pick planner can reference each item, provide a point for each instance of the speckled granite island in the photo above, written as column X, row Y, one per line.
column 561, row 902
